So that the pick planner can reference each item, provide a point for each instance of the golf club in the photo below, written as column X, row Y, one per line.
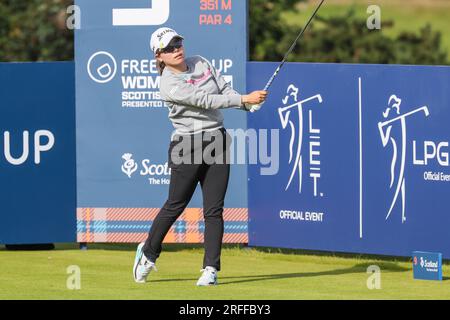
column 272, row 78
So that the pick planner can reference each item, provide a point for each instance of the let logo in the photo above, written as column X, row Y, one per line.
column 157, row 14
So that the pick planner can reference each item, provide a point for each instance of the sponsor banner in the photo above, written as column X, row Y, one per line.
column 133, row 224
column 123, row 130
column 361, row 163
column 37, row 124
column 427, row 265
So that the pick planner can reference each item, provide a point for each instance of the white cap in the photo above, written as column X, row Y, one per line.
column 162, row 37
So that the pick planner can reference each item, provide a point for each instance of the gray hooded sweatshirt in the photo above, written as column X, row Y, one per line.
column 195, row 96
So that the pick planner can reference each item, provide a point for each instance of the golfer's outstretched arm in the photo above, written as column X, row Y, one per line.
column 225, row 88
column 189, row 95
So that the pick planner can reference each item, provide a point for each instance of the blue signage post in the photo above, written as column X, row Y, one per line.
column 427, row 265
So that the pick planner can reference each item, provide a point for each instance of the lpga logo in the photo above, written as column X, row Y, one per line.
column 129, row 166
column 398, row 151
column 296, row 141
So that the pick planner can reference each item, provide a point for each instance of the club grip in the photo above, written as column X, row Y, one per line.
column 255, row 107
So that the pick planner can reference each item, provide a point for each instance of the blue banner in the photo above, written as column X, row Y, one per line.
column 120, row 118
column 123, row 130
column 362, row 159
column 37, row 122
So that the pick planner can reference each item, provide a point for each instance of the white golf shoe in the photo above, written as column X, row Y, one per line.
column 208, row 277
column 142, row 266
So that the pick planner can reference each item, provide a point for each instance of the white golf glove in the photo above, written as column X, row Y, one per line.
column 253, row 107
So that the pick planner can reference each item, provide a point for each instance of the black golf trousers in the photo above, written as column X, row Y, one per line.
column 213, row 177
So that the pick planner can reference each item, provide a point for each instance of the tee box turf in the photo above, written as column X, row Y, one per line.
column 427, row 265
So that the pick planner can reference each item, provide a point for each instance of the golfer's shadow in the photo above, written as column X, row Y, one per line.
column 358, row 268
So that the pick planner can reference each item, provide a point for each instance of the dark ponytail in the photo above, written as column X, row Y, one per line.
column 160, row 65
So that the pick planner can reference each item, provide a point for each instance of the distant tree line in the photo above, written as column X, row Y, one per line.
column 35, row 30
column 343, row 38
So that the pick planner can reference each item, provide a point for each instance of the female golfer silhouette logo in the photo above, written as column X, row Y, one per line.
column 296, row 130
column 398, row 153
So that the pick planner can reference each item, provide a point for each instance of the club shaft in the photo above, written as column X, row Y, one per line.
column 272, row 78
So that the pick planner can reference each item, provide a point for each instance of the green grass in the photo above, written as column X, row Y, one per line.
column 407, row 16
column 246, row 274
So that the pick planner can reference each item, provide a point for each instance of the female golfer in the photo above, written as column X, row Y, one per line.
column 193, row 91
